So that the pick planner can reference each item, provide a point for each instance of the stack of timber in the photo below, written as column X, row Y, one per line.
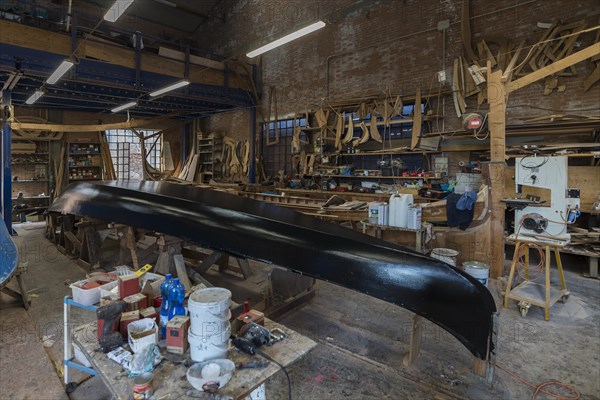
column 584, row 242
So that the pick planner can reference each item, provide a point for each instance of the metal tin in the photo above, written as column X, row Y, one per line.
column 142, row 386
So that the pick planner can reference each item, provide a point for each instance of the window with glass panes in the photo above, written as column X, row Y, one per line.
column 277, row 157
column 126, row 152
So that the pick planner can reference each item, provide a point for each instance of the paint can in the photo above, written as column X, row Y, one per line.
column 446, row 255
column 373, row 212
column 478, row 270
column 142, row 386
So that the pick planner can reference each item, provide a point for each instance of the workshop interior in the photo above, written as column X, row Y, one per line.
column 344, row 199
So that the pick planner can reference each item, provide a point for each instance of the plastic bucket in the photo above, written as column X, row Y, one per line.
column 445, row 255
column 204, row 348
column 478, row 270
column 209, row 310
column 212, row 335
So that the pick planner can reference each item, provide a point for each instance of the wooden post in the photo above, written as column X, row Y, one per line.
column 497, row 125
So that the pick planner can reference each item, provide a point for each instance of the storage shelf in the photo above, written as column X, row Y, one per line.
column 84, row 154
column 31, row 180
column 90, row 166
column 29, row 162
column 372, row 177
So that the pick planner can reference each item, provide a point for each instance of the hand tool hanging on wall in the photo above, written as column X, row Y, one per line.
column 272, row 107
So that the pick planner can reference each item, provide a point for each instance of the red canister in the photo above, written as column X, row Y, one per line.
column 142, row 386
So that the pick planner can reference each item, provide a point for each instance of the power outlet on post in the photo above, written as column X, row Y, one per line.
column 441, row 76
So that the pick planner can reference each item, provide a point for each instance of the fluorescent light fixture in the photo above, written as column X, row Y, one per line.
column 124, row 107
column 169, row 88
column 60, row 71
column 286, row 39
column 34, row 97
column 117, row 10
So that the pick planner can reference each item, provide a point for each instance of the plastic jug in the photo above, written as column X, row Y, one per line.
column 176, row 296
column 164, row 307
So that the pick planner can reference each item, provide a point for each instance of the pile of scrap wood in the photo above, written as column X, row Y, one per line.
column 584, row 241
column 558, row 41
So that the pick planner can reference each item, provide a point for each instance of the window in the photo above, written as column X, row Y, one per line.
column 126, row 152
column 278, row 156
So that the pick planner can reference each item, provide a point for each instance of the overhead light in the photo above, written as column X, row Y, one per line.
column 117, row 10
column 286, row 39
column 124, row 107
column 60, row 71
column 34, row 97
column 169, row 88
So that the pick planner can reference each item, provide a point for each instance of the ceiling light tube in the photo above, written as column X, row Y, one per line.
column 117, row 9
column 286, row 39
column 34, row 97
column 60, row 71
column 169, row 88
column 124, row 107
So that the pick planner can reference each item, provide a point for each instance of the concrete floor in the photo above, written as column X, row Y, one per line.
column 361, row 343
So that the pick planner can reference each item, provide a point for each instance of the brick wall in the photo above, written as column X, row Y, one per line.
column 395, row 45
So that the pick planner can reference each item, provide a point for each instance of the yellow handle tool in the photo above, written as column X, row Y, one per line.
column 143, row 270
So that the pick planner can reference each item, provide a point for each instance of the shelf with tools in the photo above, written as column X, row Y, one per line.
column 84, row 162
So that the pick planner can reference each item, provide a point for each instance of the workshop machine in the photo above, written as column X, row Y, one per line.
column 537, row 219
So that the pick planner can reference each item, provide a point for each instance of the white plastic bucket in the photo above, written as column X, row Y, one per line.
column 209, row 310
column 215, row 337
column 445, row 255
column 478, row 270
column 204, row 348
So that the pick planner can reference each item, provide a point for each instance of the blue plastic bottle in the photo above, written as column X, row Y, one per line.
column 164, row 307
column 176, row 296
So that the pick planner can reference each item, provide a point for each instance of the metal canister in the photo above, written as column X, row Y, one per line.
column 142, row 386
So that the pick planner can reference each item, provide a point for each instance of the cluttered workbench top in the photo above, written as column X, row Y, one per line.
column 170, row 380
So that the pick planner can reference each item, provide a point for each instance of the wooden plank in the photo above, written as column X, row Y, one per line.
column 180, row 56
column 497, row 125
column 592, row 78
column 553, row 68
column 182, row 271
column 91, row 128
column 416, row 127
column 208, row 262
column 465, row 30
column 508, row 72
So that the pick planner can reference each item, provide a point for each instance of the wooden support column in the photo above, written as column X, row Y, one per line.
column 497, row 125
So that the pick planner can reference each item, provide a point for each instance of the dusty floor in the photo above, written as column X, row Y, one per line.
column 361, row 344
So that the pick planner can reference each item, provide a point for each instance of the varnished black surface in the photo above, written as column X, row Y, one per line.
column 266, row 232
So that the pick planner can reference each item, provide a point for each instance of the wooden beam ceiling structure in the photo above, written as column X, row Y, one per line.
column 498, row 91
column 20, row 35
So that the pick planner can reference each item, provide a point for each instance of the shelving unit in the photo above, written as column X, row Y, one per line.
column 208, row 150
column 31, row 178
column 84, row 162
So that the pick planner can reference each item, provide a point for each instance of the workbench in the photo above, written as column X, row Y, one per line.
column 170, row 380
column 379, row 231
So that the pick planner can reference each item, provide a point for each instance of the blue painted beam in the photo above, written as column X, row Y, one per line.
column 6, row 163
